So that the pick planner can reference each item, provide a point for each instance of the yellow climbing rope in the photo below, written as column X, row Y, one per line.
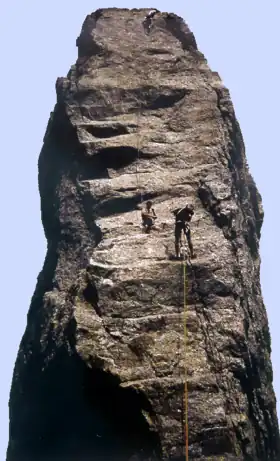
column 185, row 317
column 185, row 283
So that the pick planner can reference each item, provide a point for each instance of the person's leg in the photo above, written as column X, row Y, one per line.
column 149, row 225
column 144, row 224
column 177, row 239
column 189, row 239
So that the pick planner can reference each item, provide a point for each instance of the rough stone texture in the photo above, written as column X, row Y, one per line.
column 100, row 370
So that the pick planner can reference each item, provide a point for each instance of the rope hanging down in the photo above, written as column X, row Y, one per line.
column 138, row 150
column 185, row 288
column 185, row 312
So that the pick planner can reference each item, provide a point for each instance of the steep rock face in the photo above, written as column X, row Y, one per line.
column 101, row 368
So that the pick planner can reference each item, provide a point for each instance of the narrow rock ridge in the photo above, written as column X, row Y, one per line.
column 101, row 367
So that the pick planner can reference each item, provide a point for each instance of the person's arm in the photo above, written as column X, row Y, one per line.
column 154, row 214
column 190, row 211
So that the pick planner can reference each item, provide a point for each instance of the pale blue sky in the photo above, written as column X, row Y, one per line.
column 239, row 38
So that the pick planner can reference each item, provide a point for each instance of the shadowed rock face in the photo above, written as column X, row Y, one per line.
column 101, row 366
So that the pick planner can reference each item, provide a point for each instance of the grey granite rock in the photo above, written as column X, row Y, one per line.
column 101, row 368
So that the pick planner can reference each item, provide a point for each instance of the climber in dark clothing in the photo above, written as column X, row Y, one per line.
column 183, row 217
column 148, row 216
column 148, row 20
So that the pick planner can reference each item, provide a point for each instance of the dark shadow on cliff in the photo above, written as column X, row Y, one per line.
column 267, row 441
column 106, row 131
column 94, row 104
column 242, row 182
column 116, row 157
column 113, row 206
column 176, row 26
column 73, row 411
column 123, row 204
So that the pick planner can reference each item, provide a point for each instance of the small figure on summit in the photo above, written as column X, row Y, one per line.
column 183, row 217
column 148, row 217
column 148, row 20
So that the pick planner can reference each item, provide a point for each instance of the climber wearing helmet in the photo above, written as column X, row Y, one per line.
column 148, row 217
column 183, row 217
column 148, row 20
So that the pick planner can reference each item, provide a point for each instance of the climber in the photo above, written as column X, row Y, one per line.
column 147, row 23
column 183, row 217
column 148, row 217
